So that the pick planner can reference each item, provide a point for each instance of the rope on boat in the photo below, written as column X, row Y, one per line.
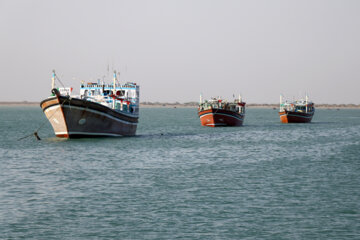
column 56, row 76
column 43, row 124
column 55, row 91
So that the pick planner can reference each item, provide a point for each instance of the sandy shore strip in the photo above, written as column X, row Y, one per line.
column 20, row 104
column 195, row 105
column 250, row 105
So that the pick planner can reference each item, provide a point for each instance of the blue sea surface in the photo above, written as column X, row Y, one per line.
column 178, row 180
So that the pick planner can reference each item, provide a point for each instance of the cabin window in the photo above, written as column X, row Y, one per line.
column 120, row 93
column 107, row 92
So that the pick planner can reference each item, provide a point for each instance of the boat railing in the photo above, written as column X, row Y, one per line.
column 235, row 107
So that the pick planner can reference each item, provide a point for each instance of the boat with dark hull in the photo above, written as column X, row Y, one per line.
column 100, row 110
column 300, row 111
column 218, row 113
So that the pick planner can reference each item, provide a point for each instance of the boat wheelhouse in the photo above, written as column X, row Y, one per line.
column 123, row 98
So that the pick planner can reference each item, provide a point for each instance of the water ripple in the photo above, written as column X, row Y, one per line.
column 176, row 179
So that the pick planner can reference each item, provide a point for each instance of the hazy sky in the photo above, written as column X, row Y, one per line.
column 176, row 50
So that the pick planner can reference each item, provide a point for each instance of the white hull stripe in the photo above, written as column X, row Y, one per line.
column 92, row 111
column 228, row 115
column 88, row 133
column 291, row 115
column 215, row 124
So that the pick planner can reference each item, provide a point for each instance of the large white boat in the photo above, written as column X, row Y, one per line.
column 100, row 109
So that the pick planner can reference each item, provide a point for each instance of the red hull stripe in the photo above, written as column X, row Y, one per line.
column 62, row 135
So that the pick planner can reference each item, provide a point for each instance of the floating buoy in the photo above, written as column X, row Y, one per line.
column 37, row 136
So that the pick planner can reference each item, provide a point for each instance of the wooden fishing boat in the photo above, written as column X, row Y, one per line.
column 219, row 113
column 100, row 110
column 300, row 111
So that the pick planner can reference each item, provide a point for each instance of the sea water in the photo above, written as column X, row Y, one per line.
column 178, row 180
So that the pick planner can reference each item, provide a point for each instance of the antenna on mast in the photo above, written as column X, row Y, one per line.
column 53, row 80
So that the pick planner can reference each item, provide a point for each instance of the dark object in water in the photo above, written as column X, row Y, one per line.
column 37, row 136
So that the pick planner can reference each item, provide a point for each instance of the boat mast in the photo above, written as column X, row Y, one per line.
column 114, row 89
column 53, row 80
column 281, row 102
column 306, row 103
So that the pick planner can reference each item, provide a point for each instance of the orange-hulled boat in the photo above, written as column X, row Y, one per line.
column 219, row 113
column 300, row 111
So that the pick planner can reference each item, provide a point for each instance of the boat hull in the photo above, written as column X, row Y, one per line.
column 76, row 118
column 220, row 118
column 295, row 117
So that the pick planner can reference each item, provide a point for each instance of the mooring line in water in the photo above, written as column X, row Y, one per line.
column 36, row 132
column 43, row 124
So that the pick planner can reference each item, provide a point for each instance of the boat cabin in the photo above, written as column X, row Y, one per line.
column 121, row 97
column 214, row 103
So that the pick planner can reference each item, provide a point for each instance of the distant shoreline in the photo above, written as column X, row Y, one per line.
column 24, row 103
column 195, row 105
column 250, row 105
